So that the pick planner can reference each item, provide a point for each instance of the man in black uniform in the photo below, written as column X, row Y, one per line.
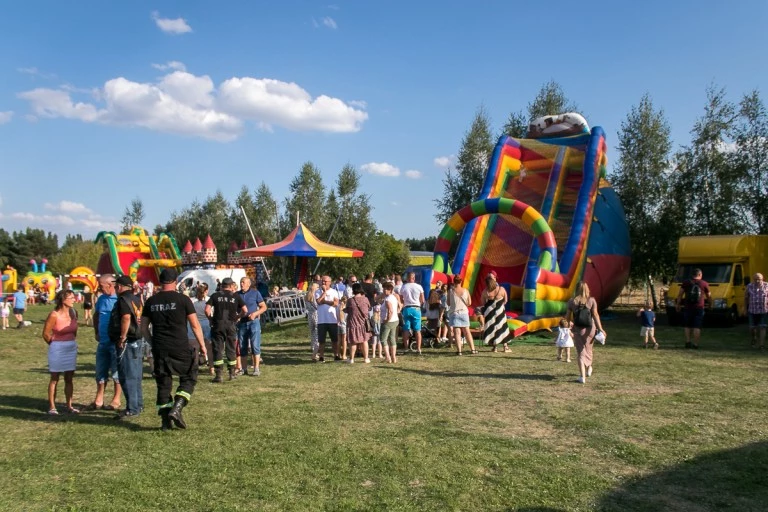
column 224, row 308
column 168, row 312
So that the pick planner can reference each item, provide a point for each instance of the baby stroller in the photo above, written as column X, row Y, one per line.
column 429, row 335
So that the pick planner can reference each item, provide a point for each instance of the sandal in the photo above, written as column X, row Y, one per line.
column 473, row 351
column 494, row 350
column 110, row 407
column 93, row 406
column 53, row 412
column 72, row 410
column 507, row 349
column 458, row 353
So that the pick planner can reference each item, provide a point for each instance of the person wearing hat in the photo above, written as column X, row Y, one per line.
column 225, row 308
column 125, row 334
column 168, row 312
column 494, row 300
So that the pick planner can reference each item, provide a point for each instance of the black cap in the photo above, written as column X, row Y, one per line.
column 168, row 275
column 227, row 281
column 124, row 281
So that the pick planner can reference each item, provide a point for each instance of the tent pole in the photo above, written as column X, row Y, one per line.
column 255, row 244
column 329, row 241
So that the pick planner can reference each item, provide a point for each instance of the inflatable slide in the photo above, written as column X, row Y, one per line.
column 545, row 219
column 137, row 254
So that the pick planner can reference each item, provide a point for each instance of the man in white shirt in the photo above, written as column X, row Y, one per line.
column 413, row 298
column 327, row 319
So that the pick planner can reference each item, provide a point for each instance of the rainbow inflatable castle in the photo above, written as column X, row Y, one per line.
column 545, row 219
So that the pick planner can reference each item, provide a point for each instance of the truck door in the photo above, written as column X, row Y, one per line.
column 738, row 290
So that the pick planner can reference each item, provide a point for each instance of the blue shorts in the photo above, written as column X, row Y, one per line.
column 106, row 362
column 693, row 318
column 412, row 318
column 249, row 334
column 758, row 320
column 459, row 319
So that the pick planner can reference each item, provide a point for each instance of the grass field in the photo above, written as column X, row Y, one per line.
column 671, row 429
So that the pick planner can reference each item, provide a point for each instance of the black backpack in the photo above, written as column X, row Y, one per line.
column 114, row 322
column 694, row 293
column 582, row 317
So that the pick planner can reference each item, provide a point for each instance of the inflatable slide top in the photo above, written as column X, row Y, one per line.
column 544, row 220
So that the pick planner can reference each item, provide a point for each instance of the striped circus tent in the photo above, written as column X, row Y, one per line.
column 301, row 244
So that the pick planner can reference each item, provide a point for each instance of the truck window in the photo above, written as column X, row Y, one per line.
column 711, row 272
column 738, row 279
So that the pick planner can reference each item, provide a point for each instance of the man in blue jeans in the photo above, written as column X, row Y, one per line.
column 106, row 356
column 249, row 327
column 124, row 331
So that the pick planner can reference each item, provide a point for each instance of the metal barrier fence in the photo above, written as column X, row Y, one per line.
column 289, row 306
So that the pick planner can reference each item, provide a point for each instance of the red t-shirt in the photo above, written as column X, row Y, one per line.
column 703, row 293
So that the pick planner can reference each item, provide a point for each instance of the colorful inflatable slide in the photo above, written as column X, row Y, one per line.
column 545, row 219
column 137, row 254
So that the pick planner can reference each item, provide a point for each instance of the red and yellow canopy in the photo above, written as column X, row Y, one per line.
column 302, row 243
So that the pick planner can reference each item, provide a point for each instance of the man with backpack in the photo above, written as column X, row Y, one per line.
column 129, row 345
column 693, row 295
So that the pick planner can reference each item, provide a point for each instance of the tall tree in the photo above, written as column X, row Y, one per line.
column 463, row 186
column 266, row 219
column 31, row 244
column 216, row 210
column 306, row 198
column 238, row 228
column 751, row 162
column 76, row 253
column 641, row 178
column 704, row 184
column 133, row 215
column 550, row 100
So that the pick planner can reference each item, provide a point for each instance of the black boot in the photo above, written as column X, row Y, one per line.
column 219, row 374
column 232, row 372
column 167, row 424
column 175, row 414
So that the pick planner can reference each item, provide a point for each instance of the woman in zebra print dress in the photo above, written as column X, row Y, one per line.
column 494, row 299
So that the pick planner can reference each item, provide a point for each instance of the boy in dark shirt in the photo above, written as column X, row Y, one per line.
column 225, row 308
column 647, row 323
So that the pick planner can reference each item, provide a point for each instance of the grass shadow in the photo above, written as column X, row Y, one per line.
column 504, row 376
column 725, row 480
column 33, row 409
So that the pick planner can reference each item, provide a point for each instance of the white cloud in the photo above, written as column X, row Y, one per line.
column 171, row 65
column 358, row 103
column 413, row 174
column 34, row 72
column 329, row 22
column 67, row 207
column 49, row 220
column 333, row 6
column 381, row 169
column 444, row 162
column 171, row 26
column 187, row 104
column 5, row 117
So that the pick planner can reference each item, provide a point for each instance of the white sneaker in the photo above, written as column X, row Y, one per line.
column 589, row 371
column 581, row 380
column 367, row 361
column 351, row 361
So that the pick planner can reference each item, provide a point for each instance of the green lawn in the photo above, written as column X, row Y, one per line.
column 652, row 430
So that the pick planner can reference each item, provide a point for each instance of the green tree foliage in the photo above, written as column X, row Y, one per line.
column 266, row 220
column 550, row 100
column 641, row 178
column 394, row 254
column 30, row 244
column 133, row 215
column 75, row 253
column 463, row 186
column 751, row 162
column 201, row 219
column 705, row 185
column 238, row 229
column 421, row 244
column 307, row 199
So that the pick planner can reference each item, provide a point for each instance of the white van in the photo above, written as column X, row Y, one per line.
column 209, row 277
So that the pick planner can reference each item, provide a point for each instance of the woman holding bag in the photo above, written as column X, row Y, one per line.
column 585, row 322
column 358, row 328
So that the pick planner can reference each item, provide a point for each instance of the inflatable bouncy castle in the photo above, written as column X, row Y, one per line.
column 545, row 219
column 40, row 278
column 137, row 254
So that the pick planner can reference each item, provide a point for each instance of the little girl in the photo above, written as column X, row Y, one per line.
column 5, row 312
column 376, row 334
column 564, row 341
column 343, row 327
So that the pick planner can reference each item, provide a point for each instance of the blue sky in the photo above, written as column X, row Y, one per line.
column 101, row 102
